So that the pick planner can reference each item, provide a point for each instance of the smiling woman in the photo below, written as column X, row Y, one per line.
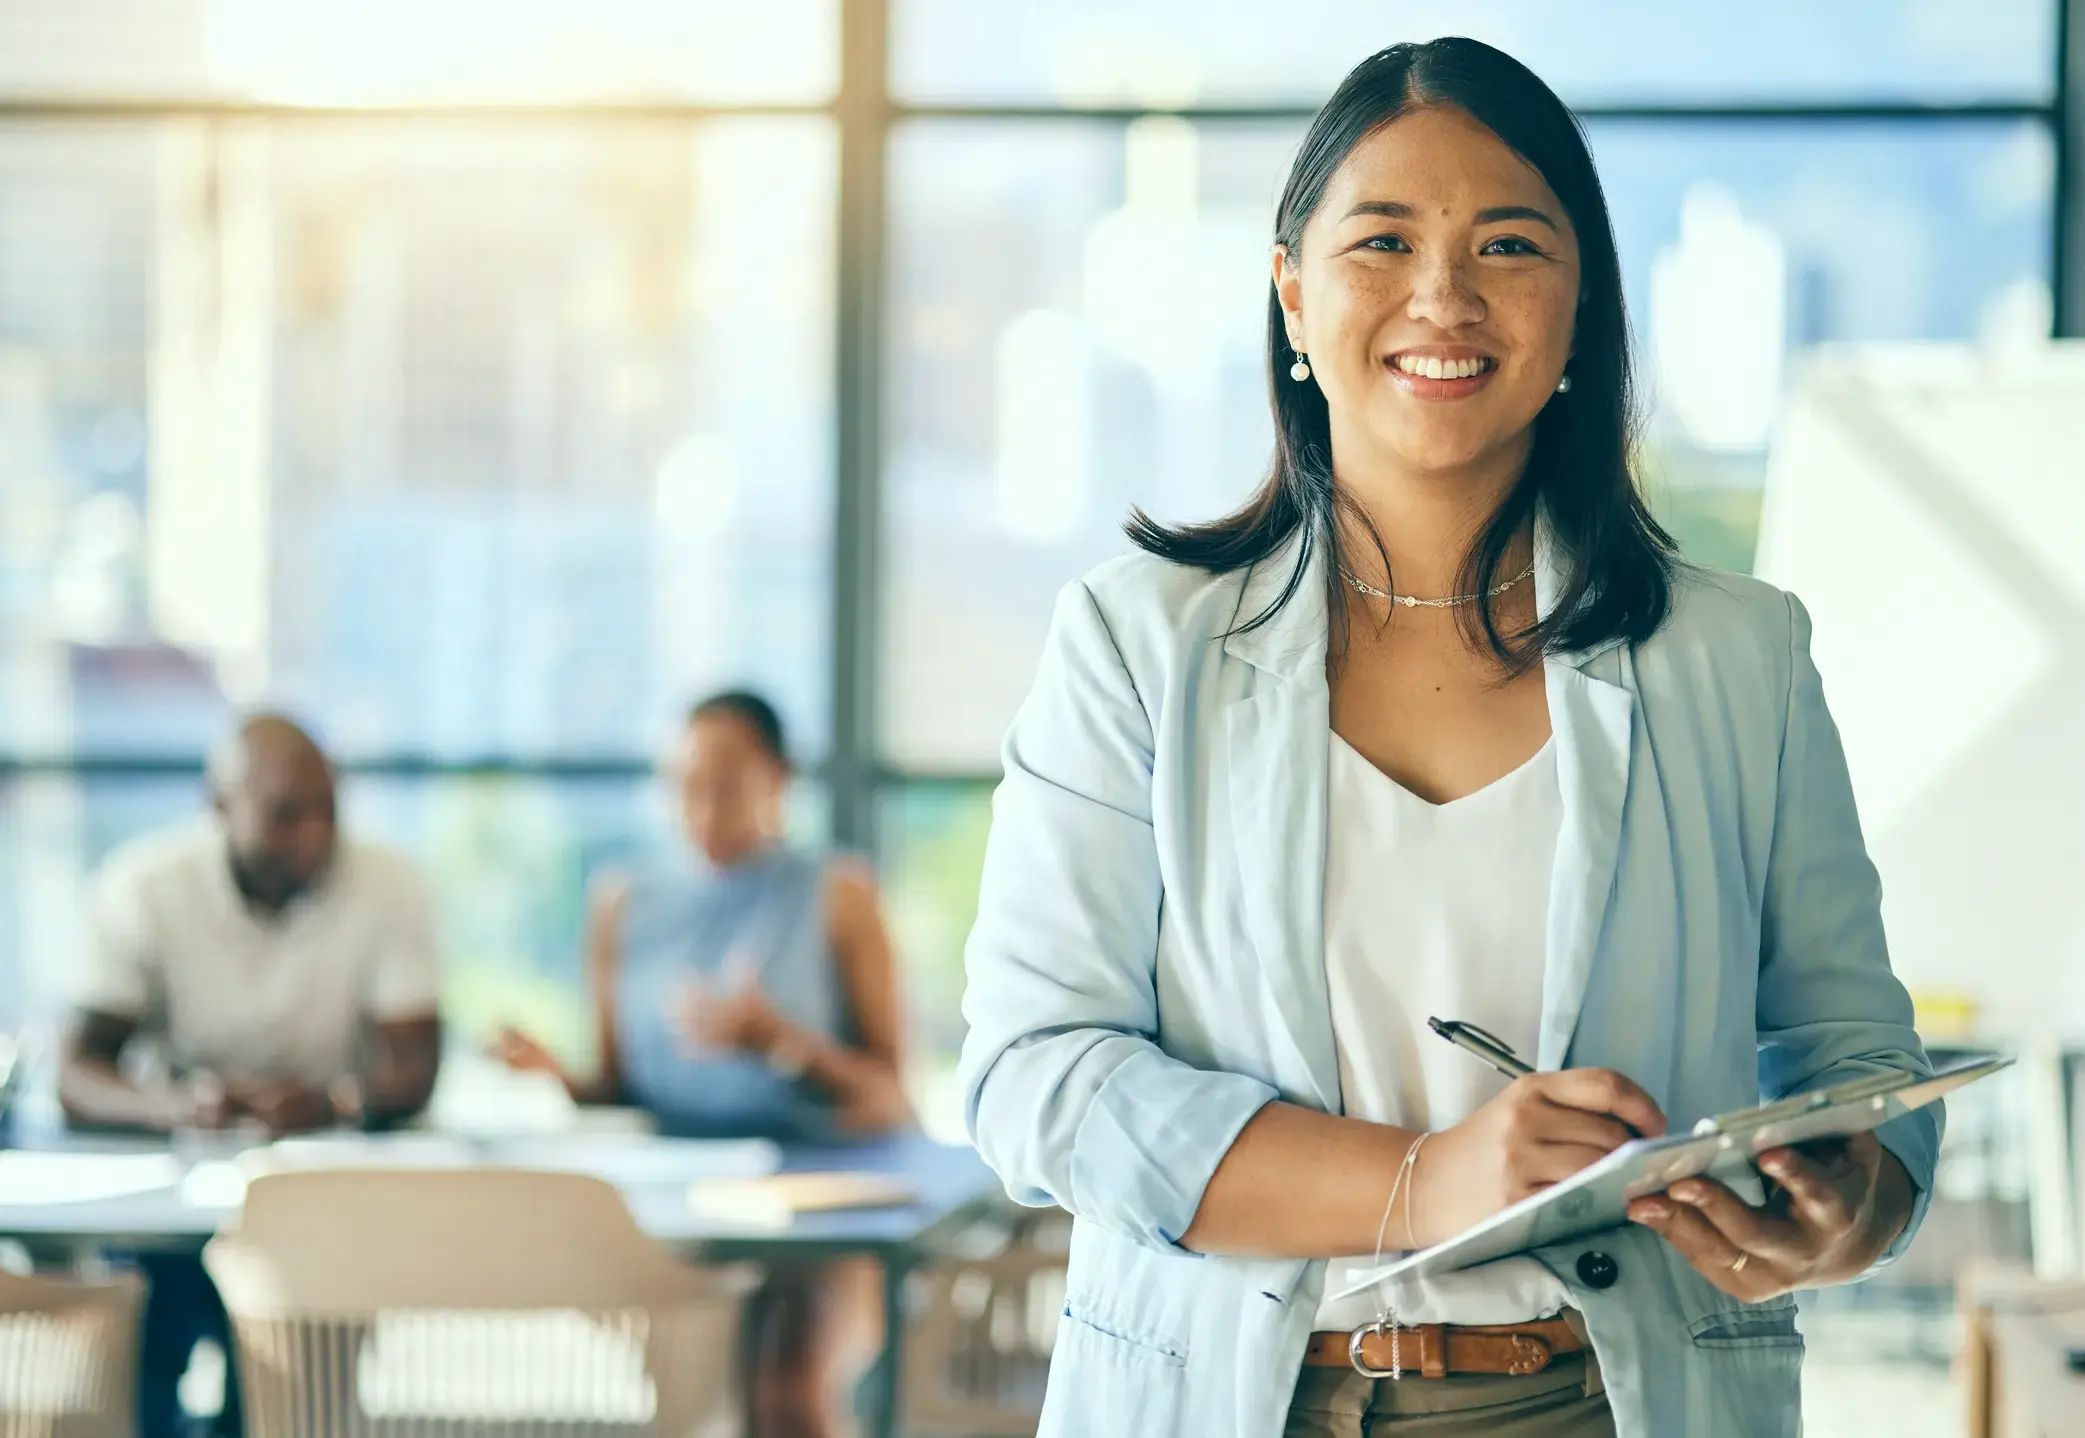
column 1294, row 781
column 1433, row 218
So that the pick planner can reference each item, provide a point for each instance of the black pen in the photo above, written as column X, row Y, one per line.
column 1493, row 1050
column 1472, row 1039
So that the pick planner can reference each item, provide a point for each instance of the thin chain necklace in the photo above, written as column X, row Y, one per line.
column 1412, row 601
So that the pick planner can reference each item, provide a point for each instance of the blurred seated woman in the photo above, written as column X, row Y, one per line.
column 749, row 993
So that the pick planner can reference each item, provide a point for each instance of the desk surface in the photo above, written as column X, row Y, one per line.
column 952, row 1184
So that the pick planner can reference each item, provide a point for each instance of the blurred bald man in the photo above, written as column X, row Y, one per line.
column 287, row 973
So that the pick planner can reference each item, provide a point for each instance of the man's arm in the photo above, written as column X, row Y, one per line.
column 402, row 1032
column 405, row 1056
column 402, row 1057
column 115, row 983
column 94, row 1093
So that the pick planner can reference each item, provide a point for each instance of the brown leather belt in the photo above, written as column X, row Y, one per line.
column 1435, row 1350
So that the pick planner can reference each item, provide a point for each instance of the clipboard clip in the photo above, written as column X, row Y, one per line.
column 1874, row 1086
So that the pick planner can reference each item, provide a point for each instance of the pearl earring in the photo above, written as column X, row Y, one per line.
column 1299, row 371
column 1564, row 385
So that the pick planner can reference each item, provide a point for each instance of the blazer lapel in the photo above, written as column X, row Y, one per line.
column 1593, row 725
column 1278, row 743
column 1592, row 722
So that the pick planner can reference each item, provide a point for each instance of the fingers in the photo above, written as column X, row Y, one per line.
column 516, row 1049
column 698, row 1007
column 1555, row 1123
column 1745, row 1227
column 1549, row 1163
column 1864, row 1149
column 262, row 1098
column 1604, row 1091
column 1814, row 1199
column 1705, row 1246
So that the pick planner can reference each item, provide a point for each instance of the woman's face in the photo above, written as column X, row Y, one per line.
column 1434, row 294
column 731, row 789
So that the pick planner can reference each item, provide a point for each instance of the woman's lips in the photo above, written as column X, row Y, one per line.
column 1440, row 376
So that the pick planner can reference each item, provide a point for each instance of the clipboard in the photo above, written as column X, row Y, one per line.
column 1722, row 1148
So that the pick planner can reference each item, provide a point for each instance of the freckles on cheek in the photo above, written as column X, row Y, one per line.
column 1546, row 310
column 1352, row 297
column 1540, row 330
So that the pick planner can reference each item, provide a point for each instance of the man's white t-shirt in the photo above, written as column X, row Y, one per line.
column 174, row 945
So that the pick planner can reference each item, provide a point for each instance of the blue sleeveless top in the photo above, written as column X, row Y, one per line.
column 765, row 917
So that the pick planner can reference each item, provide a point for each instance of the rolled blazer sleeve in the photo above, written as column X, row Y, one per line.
column 1830, row 1009
column 1069, row 1096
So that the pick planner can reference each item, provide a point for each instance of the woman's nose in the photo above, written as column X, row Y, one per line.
column 1443, row 295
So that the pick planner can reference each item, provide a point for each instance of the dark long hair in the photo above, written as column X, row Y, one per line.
column 1616, row 559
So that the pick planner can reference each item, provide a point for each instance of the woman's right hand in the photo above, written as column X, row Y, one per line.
column 1539, row 1130
column 523, row 1054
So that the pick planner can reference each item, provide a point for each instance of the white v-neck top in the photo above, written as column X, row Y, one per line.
column 1435, row 910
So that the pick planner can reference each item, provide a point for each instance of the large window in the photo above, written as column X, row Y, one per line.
column 470, row 442
column 1677, row 53
column 1082, row 198
column 484, row 438
column 480, row 380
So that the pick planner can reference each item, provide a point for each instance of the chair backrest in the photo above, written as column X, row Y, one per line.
column 978, row 1355
column 367, row 1301
column 341, row 1241
column 67, row 1350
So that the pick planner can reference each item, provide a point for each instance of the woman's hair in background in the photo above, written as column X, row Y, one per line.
column 754, row 712
column 1617, row 559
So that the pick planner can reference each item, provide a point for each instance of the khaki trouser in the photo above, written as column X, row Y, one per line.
column 1564, row 1400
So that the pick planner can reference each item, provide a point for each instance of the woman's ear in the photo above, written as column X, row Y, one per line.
column 1288, row 288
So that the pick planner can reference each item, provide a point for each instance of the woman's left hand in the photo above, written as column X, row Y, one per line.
column 1836, row 1211
column 877, row 1107
column 737, row 1018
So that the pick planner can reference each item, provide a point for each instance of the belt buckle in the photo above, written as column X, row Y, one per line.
column 1360, row 1335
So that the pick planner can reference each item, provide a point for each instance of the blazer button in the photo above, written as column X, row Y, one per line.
column 1597, row 1270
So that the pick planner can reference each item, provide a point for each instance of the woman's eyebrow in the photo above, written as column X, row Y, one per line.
column 1516, row 212
column 1398, row 210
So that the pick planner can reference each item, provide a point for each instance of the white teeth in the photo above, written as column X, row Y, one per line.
column 1435, row 368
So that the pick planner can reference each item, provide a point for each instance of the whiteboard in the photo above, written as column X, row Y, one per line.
column 1927, row 504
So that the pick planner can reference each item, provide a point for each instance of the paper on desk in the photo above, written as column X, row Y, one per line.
column 214, row 1183
column 623, row 1160
column 637, row 1159
column 773, row 1201
column 359, row 1150
column 221, row 1182
column 29, row 1178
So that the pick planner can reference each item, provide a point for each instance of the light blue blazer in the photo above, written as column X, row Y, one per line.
column 1148, row 970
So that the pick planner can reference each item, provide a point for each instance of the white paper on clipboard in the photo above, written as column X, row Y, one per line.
column 1723, row 1148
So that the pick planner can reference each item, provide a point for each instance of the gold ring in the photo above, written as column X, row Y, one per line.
column 1739, row 1265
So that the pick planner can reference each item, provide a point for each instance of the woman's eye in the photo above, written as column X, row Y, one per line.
column 1386, row 244
column 1509, row 245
